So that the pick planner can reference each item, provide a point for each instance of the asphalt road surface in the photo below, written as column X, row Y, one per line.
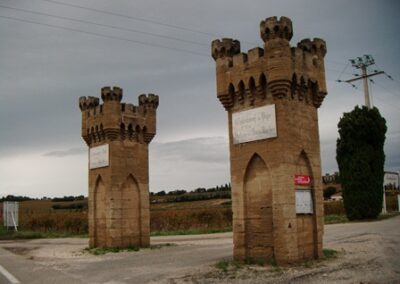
column 368, row 252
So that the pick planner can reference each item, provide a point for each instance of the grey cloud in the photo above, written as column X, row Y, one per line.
column 65, row 153
column 45, row 70
column 201, row 150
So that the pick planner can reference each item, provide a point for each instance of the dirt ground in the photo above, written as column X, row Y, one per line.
column 368, row 252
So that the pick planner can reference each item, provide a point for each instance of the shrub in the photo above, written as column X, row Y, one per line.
column 334, row 208
column 360, row 156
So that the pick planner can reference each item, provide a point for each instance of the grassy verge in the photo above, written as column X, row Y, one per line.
column 226, row 265
column 190, row 232
column 102, row 251
column 335, row 219
column 329, row 253
column 339, row 218
column 13, row 235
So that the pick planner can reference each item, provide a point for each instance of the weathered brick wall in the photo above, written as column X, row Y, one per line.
column 265, row 222
column 119, row 214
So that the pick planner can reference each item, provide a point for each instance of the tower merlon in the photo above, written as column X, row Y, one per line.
column 255, row 54
column 239, row 59
column 272, row 28
column 226, row 47
column 111, row 94
column 316, row 46
column 148, row 101
column 86, row 103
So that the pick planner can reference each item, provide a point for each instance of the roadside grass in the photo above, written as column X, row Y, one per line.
column 105, row 250
column 226, row 265
column 11, row 234
column 198, row 231
column 102, row 251
column 335, row 219
column 340, row 218
column 330, row 253
column 229, row 264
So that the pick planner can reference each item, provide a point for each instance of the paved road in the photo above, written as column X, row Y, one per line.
column 369, row 248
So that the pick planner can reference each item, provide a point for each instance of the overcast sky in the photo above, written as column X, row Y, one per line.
column 44, row 70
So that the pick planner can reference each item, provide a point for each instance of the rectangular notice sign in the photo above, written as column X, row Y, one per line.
column 304, row 202
column 98, row 157
column 302, row 180
column 254, row 124
column 10, row 213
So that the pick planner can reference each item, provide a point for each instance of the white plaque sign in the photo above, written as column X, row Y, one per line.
column 98, row 157
column 304, row 203
column 10, row 214
column 254, row 124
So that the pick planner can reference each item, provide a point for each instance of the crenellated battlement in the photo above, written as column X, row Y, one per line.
column 272, row 28
column 276, row 72
column 316, row 46
column 109, row 122
column 226, row 47
column 88, row 102
column 111, row 94
column 149, row 101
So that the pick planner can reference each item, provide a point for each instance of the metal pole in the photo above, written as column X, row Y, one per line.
column 398, row 202
column 384, row 211
column 366, row 90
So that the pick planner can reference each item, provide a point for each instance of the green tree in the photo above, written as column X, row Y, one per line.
column 360, row 156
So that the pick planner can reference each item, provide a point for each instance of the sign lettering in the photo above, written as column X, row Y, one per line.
column 302, row 180
column 254, row 124
column 99, row 157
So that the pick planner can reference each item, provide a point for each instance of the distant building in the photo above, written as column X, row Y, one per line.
column 337, row 196
column 328, row 178
column 391, row 180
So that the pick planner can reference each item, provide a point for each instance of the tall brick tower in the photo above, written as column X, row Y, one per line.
column 118, row 135
column 272, row 95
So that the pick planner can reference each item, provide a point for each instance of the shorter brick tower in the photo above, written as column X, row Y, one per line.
column 118, row 135
column 271, row 95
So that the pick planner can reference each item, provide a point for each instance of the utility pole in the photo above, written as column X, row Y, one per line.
column 362, row 63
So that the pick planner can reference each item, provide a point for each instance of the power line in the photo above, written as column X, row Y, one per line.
column 337, row 71
column 131, row 17
column 344, row 69
column 102, row 25
column 141, row 19
column 387, row 90
column 362, row 63
column 105, row 36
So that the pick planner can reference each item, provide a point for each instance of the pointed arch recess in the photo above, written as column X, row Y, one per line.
column 131, row 215
column 306, row 224
column 258, row 209
column 99, row 212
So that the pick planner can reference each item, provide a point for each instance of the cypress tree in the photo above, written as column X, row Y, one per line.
column 360, row 157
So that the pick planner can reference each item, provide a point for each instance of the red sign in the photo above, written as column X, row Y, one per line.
column 302, row 180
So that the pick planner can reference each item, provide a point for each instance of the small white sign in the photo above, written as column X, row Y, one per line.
column 99, row 157
column 254, row 124
column 10, row 214
column 304, row 203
